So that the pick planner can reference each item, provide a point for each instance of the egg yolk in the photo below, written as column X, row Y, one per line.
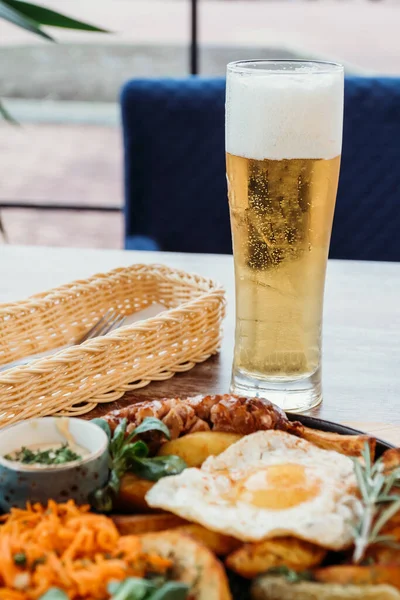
column 278, row 487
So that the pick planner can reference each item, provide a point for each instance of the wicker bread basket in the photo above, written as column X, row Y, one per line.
column 75, row 380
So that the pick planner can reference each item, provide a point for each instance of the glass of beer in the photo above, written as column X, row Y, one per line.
column 284, row 123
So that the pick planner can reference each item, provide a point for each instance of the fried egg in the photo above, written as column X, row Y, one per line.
column 268, row 484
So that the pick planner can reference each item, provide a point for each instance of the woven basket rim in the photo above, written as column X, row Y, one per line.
column 8, row 308
column 148, row 325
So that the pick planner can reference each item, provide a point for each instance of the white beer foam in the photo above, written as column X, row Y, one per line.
column 285, row 115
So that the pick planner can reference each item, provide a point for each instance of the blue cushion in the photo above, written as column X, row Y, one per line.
column 367, row 216
column 140, row 242
column 175, row 185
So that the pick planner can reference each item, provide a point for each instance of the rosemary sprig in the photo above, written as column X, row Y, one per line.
column 378, row 503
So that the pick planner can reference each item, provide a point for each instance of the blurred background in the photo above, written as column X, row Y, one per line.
column 61, row 168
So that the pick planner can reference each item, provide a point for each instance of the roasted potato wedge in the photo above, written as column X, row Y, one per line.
column 393, row 528
column 350, row 445
column 195, row 564
column 391, row 459
column 252, row 559
column 218, row 543
column 194, row 448
column 268, row 587
column 360, row 575
column 385, row 555
column 138, row 524
column 132, row 493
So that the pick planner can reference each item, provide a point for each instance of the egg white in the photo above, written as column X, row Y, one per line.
column 205, row 495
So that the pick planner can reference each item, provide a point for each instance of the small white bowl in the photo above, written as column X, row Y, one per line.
column 20, row 483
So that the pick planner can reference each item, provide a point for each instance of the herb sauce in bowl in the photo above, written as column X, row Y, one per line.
column 50, row 454
column 46, row 455
column 51, row 457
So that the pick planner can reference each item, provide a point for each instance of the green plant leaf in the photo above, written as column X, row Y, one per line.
column 6, row 115
column 118, row 438
column 54, row 594
column 136, row 450
column 172, row 590
column 127, row 456
column 114, row 483
column 45, row 16
column 112, row 587
column 131, row 588
column 150, row 424
column 17, row 18
column 102, row 501
column 102, row 423
column 155, row 468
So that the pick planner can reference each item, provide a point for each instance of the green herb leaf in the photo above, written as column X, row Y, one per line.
column 156, row 579
column 150, row 424
column 38, row 561
column 132, row 588
column 388, row 540
column 118, row 438
column 102, row 500
column 155, row 468
column 103, row 425
column 112, row 587
column 53, row 456
column 114, row 482
column 172, row 590
column 20, row 559
column 362, row 485
column 136, row 450
column 125, row 455
column 54, row 594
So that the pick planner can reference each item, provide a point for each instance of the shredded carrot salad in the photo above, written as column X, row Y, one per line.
column 68, row 547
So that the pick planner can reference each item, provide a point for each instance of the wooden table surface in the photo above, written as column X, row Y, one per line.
column 361, row 362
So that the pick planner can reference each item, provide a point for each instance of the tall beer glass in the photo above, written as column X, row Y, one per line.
column 283, row 140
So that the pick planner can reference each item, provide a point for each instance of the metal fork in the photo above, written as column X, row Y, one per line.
column 109, row 321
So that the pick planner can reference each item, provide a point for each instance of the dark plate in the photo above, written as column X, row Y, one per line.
column 240, row 587
column 323, row 425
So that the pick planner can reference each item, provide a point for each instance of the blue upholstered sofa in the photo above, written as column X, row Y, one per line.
column 175, row 186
